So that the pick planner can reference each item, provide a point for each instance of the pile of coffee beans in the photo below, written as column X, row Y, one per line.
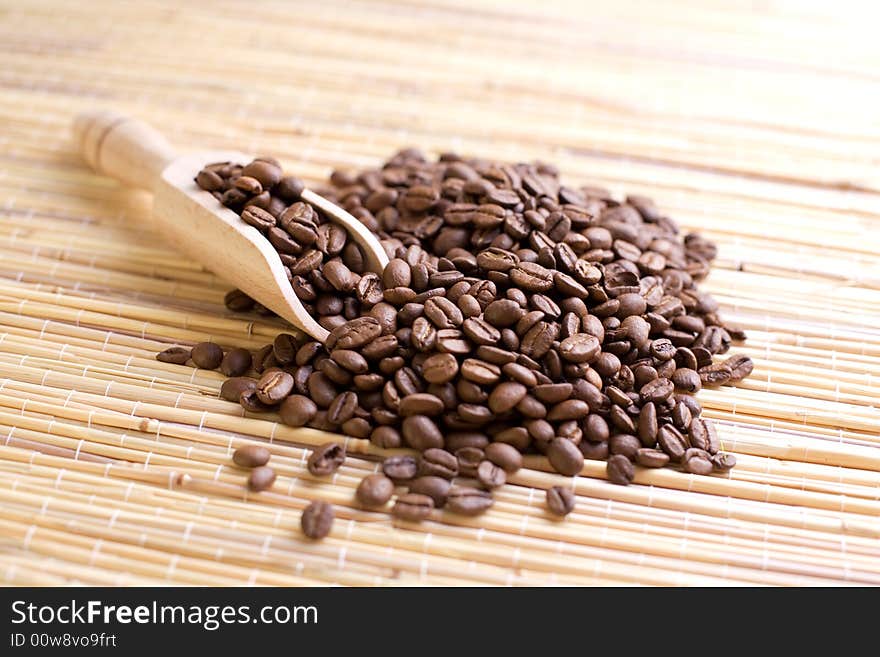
column 517, row 316
column 324, row 267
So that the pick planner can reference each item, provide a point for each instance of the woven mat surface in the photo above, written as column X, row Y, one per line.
column 755, row 124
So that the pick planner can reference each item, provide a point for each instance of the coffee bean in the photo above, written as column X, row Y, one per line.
column 715, row 375
column 420, row 403
column 656, row 391
column 354, row 334
column 326, row 459
column 651, row 458
column 687, row 380
column 297, row 410
column 506, row 456
column 579, row 348
column 440, row 368
column 176, row 355
column 400, row 468
column 560, row 501
column 317, row 519
column 671, row 442
column 251, row 456
column 374, row 490
column 438, row 462
column 565, row 457
column 468, row 501
column 626, row 444
column 723, row 461
column 232, row 389
column 490, row 475
column 480, row 372
column 620, row 470
column 740, row 367
column 261, row 478
column 274, row 386
column 236, row 362
column 258, row 218
column 703, row 435
column 437, row 488
column 413, row 507
column 207, row 355
column 696, row 461
column 386, row 437
column 506, row 396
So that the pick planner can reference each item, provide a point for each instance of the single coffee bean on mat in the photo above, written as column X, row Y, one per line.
column 317, row 519
column 251, row 456
column 261, row 478
column 374, row 490
column 560, row 501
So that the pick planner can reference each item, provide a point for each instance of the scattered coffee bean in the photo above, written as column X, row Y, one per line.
column 560, row 501
column 326, row 459
column 236, row 362
column 437, row 488
column 374, row 490
column 251, row 456
column 207, row 355
column 176, row 355
column 261, row 478
column 317, row 519
column 620, row 470
column 413, row 507
column 468, row 501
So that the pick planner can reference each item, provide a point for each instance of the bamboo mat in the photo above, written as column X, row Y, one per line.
column 755, row 123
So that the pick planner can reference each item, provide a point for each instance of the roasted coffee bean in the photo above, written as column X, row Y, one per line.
column 506, row 396
column 261, row 478
column 697, row 461
column 274, row 386
column 580, row 348
column 687, row 380
column 438, row 462
column 715, row 375
column 468, row 501
column 342, row 408
column 626, row 444
column 620, row 470
column 374, row 490
column 723, row 461
column 740, row 367
column 658, row 390
column 469, row 459
column 250, row 401
column 354, row 334
column 232, row 389
column 176, row 355
column 651, row 458
column 671, row 442
column 386, row 437
column 317, row 519
column 491, row 475
column 565, row 457
column 702, row 434
column 258, row 218
column 413, row 507
column 400, row 468
column 251, row 456
column 505, row 455
column 236, row 362
column 560, row 501
column 440, row 368
column 207, row 355
column 238, row 301
column 437, row 488
column 420, row 403
column 326, row 459
column 297, row 410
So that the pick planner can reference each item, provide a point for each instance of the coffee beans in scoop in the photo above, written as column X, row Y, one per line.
column 517, row 315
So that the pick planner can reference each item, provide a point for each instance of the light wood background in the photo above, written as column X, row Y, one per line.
column 755, row 122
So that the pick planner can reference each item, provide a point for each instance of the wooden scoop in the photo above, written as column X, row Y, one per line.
column 194, row 221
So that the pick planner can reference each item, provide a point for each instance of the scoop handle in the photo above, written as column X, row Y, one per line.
column 122, row 147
